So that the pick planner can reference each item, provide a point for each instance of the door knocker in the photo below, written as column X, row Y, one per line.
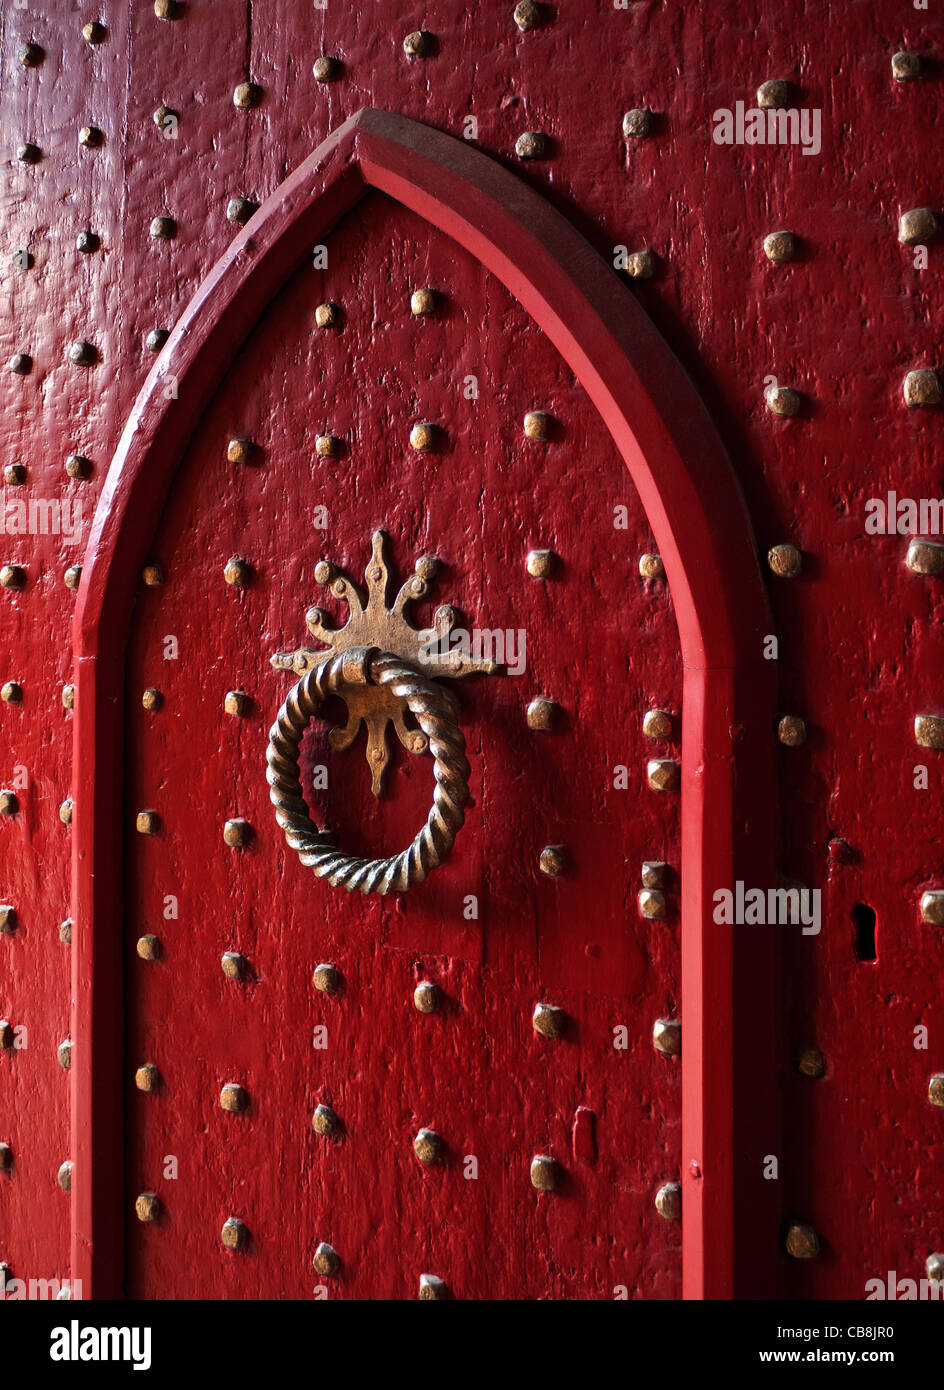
column 382, row 667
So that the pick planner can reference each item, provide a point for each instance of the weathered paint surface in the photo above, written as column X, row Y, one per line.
column 858, row 657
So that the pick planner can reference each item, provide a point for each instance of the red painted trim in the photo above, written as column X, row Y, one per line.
column 698, row 517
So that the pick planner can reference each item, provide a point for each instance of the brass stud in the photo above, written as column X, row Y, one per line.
column 542, row 715
column 657, row 725
column 327, row 446
column 11, row 692
column 21, row 364
column 72, row 577
column 326, row 979
column 540, row 564
column 94, row 33
column 14, row 474
column 921, row 388
column 934, row 1266
column 237, row 571
column 28, row 154
column 233, row 1098
column 152, row 576
column 549, row 1021
column 774, row 93
column 65, row 932
column 240, row 451
column 163, row 115
column 64, row 1054
column 917, row 225
column 640, row 265
column 791, row 730
column 785, row 561
column 426, row 997
column 147, row 1077
column 325, row 69
column 652, row 874
column 240, row 210
column 327, row 315
column 147, row 1206
column 152, row 698
column 936, row 1090
column 78, row 466
column 427, row 1146
column 64, row 1176
column 637, row 123
column 543, row 1173
column 324, row 1121
column 527, row 16
column 651, row 567
column 423, row 302
column 65, row 811
column 782, row 400
column 156, row 339
column 148, row 947
column 87, row 242
column 236, row 833
column 779, row 246
column 651, row 904
column 424, row 437
column 802, row 1241
column 9, row 805
column 663, row 774
column 147, row 823
column 433, row 1289
column 31, row 55
column 811, row 1062
column 6, row 1159
column 326, row 1260
column 162, row 228
column 247, row 95
column 90, row 137
column 531, row 145
column 8, row 919
column 12, row 577
column 906, row 66
column 538, row 425
column 668, row 1201
column 165, row 9
column 417, row 44
column 554, row 860
column 237, row 703
column 932, row 907
column 83, row 354
column 929, row 731
column 6, row 1034
column 235, row 1234
column 68, row 697
column 667, row 1036
column 925, row 557
column 234, row 966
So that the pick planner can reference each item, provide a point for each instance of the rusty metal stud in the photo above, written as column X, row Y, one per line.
column 932, row 907
column 637, row 123
column 147, row 1077
column 240, row 210
column 667, row 1036
column 28, row 154
column 148, row 947
column 427, row 1146
column 147, row 1206
column 165, row 9
column 528, row 15
column 324, row 1121
column 152, row 698
column 233, row 965
column 236, row 833
column 90, row 137
column 426, row 997
column 94, row 33
column 9, row 805
column 72, row 577
column 156, row 339
column 906, row 66
column 64, row 1176
column 543, row 1173
column 540, row 564
column 21, row 364
column 326, row 1260
column 327, row 446
column 152, row 575
column 779, row 246
column 553, row 860
column 433, row 1289
column 651, row 567
column 538, row 425
column 640, row 265
column 663, row 774
column 651, row 904
column 657, row 724
column 6, row 1159
column 774, row 93
column 424, row 437
column 542, row 715
column 68, row 697
column 934, row 1265
column 811, row 1062
column 240, row 450
column 549, row 1021
column 929, row 730
column 916, row 226
column 64, row 1054
column 782, row 400
column 921, row 388
column 6, row 1034
column 785, row 561
column 326, row 978
column 14, row 474
column 83, row 354
column 417, row 44
column 802, row 1242
column 668, row 1201
column 78, row 466
column 237, row 571
column 247, row 95
column 652, row 874
column 30, row 55
column 237, row 703
column 87, row 242
column 531, row 145
column 791, row 730
column 423, row 302
column 8, row 920
column 11, row 692
column 65, row 811
column 936, row 1089
column 235, row 1234
column 925, row 557
column 233, row 1097
column 327, row 316
column 147, row 823
column 65, row 932
column 162, row 228
column 162, row 115
column 326, row 69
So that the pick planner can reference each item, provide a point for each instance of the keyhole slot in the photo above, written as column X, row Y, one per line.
column 863, row 919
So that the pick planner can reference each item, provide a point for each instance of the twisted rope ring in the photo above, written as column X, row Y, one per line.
column 433, row 709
